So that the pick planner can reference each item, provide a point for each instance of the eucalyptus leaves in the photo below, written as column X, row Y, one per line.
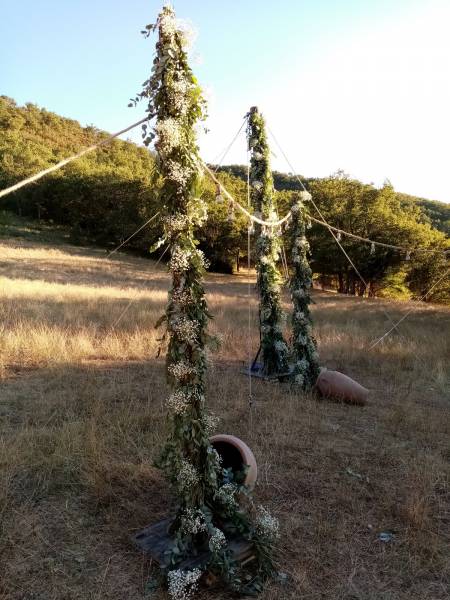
column 274, row 348
column 304, row 352
column 209, row 513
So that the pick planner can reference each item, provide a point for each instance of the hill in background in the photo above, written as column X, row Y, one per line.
column 105, row 196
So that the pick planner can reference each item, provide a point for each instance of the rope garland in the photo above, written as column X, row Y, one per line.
column 375, row 243
column 66, row 161
column 321, row 221
column 251, row 217
column 248, row 214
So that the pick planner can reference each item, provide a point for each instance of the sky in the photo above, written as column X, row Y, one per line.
column 358, row 85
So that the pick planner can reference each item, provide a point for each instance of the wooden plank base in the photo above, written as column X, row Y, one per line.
column 155, row 540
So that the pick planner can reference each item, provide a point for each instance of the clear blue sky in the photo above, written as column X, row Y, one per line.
column 361, row 85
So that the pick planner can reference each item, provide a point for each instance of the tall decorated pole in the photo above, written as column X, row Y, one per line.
column 273, row 347
column 304, row 350
column 209, row 513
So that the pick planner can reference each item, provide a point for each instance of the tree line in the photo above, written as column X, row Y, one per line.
column 105, row 196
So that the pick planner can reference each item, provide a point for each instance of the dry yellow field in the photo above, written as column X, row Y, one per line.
column 82, row 417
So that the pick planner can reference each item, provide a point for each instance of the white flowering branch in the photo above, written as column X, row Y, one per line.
column 306, row 361
column 209, row 511
column 273, row 347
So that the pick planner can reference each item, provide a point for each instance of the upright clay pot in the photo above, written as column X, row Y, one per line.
column 236, row 454
column 338, row 386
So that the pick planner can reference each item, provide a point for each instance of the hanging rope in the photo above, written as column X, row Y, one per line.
column 133, row 234
column 286, row 218
column 410, row 311
column 235, row 203
column 321, row 221
column 336, row 236
column 125, row 310
column 66, row 161
column 228, row 148
column 374, row 243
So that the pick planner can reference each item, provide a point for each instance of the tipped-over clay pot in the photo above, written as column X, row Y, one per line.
column 236, row 454
column 338, row 386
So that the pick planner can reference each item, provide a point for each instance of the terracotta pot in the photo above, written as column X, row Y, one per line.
column 338, row 386
column 236, row 454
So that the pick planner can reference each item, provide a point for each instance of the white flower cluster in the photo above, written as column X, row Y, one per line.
column 302, row 365
column 178, row 173
column 179, row 95
column 258, row 155
column 198, row 211
column 264, row 260
column 266, row 525
column 181, row 370
column 280, row 346
column 305, row 196
column 300, row 293
column 183, row 584
column 182, row 297
column 299, row 379
column 217, row 540
column 202, row 258
column 180, row 260
column 193, row 522
column 179, row 402
column 186, row 329
column 175, row 223
column 168, row 22
column 301, row 242
column 257, row 185
column 187, row 475
column 211, row 422
column 169, row 135
column 226, row 495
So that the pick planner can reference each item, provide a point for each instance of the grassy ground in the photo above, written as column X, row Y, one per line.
column 82, row 417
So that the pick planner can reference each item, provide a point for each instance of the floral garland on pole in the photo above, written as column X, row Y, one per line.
column 274, row 348
column 304, row 348
column 209, row 513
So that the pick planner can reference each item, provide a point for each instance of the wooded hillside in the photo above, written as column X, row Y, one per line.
column 105, row 196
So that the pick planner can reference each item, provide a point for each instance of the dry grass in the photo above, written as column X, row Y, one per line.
column 82, row 417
